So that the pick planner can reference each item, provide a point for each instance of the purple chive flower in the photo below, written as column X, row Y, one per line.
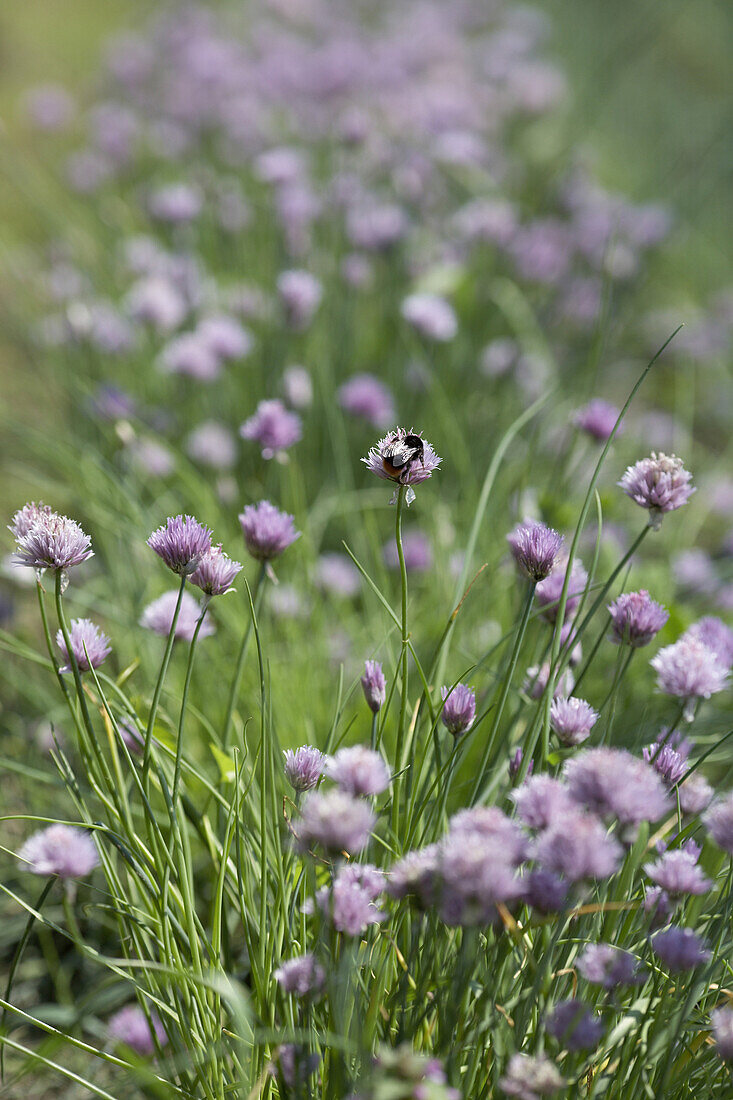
column 603, row 964
column 226, row 337
column 679, row 948
column 49, row 107
column 636, row 618
column 349, row 906
column 181, row 542
column 577, row 846
column 213, row 445
column 295, row 1064
column 574, row 1026
column 713, row 633
column 50, row 541
column 537, row 678
column 678, row 873
column 689, row 670
column 535, row 548
column 274, row 427
column 721, row 1020
column 358, row 771
column 337, row 574
column 695, row 794
column 546, row 892
column 658, row 906
column 415, row 876
column 549, row 591
column 494, row 828
column 300, row 976
column 88, row 644
column 540, row 800
column 61, row 850
column 300, row 294
column 190, row 355
column 660, row 484
column 474, row 876
column 156, row 301
column 597, row 418
column 215, row 572
column 267, row 531
column 297, row 387
column 530, row 1078
column 158, row 617
column 572, row 719
column 613, row 783
column 175, row 203
column 416, row 549
column 336, row 821
column 130, row 1026
column 374, row 686
column 303, row 767
column 414, row 466
column 666, row 761
column 515, row 763
column 431, row 316
column 719, row 822
column 26, row 516
column 459, row 709
column 365, row 396
column 366, row 876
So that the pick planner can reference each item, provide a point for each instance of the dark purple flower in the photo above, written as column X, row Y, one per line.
column 689, row 670
column 358, row 771
column 415, row 468
column 659, row 483
column 577, row 846
column 431, row 316
column 88, row 644
column 274, row 427
column 714, row 633
column 374, row 686
column 181, row 542
column 301, row 976
column 158, row 617
column 549, row 591
column 679, row 948
column 603, row 964
column 267, row 531
column 295, row 1064
column 336, row 821
column 545, row 891
column 459, row 708
column 530, row 1078
column 636, row 618
column 130, row 1026
column 540, row 800
column 300, row 294
column 574, row 1026
column 572, row 719
column 598, row 418
column 366, row 396
column 678, row 873
column 719, row 822
column 215, row 572
column 303, row 767
column 721, row 1020
column 535, row 548
column 50, row 541
column 612, row 782
column 61, row 850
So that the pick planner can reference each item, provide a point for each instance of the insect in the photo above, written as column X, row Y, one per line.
column 399, row 455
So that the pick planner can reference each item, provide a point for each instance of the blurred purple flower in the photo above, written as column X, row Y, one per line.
column 574, row 1026
column 297, row 387
column 226, row 337
column 191, row 355
column 549, row 591
column 175, row 203
column 572, row 719
column 274, row 427
column 365, row 396
column 613, row 783
column 530, row 1078
column 212, row 445
column 416, row 549
column 267, row 531
column 636, row 618
column 431, row 316
column 714, row 633
column 608, row 966
column 88, row 644
column 302, row 976
column 374, row 686
column 540, row 800
column 678, row 873
column 598, row 419
column 303, row 767
column 61, row 850
column 130, row 1026
column 358, row 771
column 577, row 846
column 719, row 822
column 300, row 294
column 337, row 574
column 689, row 670
column 721, row 1020
column 158, row 617
column 679, row 948
column 335, row 821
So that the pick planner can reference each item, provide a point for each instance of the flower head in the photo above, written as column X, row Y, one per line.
column 349, row 905
column 48, row 540
column 431, row 316
column 679, row 948
column 719, row 822
column 300, row 976
column 613, row 783
column 713, row 633
column 598, row 419
column 474, row 875
column 603, row 964
column 213, row 445
column 365, row 396
column 88, row 644
column 689, row 670
column 415, row 876
column 574, row 1025
column 459, row 709
column 130, row 1026
column 61, row 850
column 535, row 548
column 540, row 800
column 303, row 767
column 572, row 719
column 300, row 294
column 403, row 457
column 181, row 542
column 549, row 591
column 374, row 686
column 274, row 427
column 678, row 873
column 358, row 771
column 695, row 794
column 26, row 516
column 721, row 1020
column 665, row 760
column 546, row 891
column 336, row 821
column 577, row 846
column 636, row 618
column 660, row 484
column 190, row 355
column 158, row 617
column 530, row 1078
column 267, row 531
column 215, row 572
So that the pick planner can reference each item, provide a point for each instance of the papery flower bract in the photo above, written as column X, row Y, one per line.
column 535, row 548
column 215, row 572
column 374, row 686
column 549, row 591
column 572, row 719
column 301, row 976
column 61, row 850
column 679, row 948
column 713, row 633
column 415, row 470
column 660, row 484
column 598, row 419
column 181, row 543
column 358, row 770
column 459, row 709
column 158, row 617
column 689, row 670
column 88, row 644
column 130, row 1026
column 50, row 541
column 336, row 821
column 612, row 782
column 530, row 1078
column 719, row 822
column 678, row 873
column 636, row 618
column 577, row 846
column 366, row 396
column 431, row 316
column 721, row 1020
column 274, row 427
column 608, row 966
column 267, row 531
column 574, row 1026
column 540, row 800
column 303, row 767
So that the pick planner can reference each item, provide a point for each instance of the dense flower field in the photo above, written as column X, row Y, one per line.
column 428, row 795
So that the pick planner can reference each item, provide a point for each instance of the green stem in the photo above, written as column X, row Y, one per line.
column 159, row 684
column 184, row 700
column 399, row 750
column 234, row 690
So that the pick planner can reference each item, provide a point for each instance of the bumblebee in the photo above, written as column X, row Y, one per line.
column 399, row 455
